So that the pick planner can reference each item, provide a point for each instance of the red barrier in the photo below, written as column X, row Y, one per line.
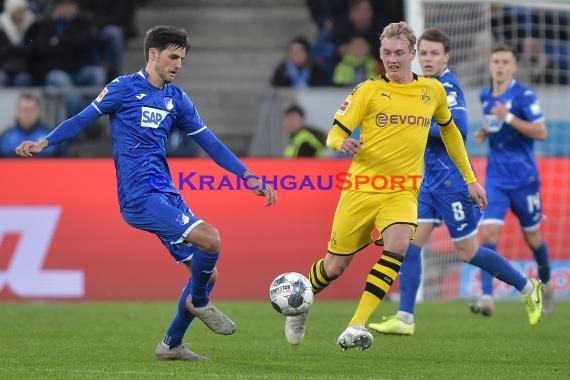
column 62, row 236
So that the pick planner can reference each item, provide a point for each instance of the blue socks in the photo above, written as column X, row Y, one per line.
column 410, row 278
column 182, row 318
column 199, row 287
column 495, row 264
column 541, row 258
column 486, row 277
column 202, row 265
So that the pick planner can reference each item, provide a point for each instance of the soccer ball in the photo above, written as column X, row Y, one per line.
column 291, row 294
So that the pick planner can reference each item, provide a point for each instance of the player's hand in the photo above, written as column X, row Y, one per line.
column 500, row 110
column 350, row 146
column 262, row 189
column 481, row 135
column 477, row 192
column 29, row 148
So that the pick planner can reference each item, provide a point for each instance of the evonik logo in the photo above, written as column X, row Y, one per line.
column 339, row 181
column 383, row 120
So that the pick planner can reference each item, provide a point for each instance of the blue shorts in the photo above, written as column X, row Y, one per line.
column 524, row 203
column 167, row 216
column 457, row 210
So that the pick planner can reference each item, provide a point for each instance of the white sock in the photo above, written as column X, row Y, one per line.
column 528, row 288
column 406, row 317
column 164, row 345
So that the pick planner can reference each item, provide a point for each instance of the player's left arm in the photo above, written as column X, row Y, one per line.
column 227, row 160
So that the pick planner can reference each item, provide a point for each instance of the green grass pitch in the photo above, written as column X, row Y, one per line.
column 117, row 341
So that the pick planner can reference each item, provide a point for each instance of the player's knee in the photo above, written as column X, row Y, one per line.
column 490, row 234
column 211, row 241
column 335, row 269
column 398, row 246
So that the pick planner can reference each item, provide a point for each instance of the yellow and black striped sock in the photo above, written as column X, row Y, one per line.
column 318, row 276
column 378, row 283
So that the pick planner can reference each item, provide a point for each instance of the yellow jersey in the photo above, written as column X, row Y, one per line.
column 394, row 120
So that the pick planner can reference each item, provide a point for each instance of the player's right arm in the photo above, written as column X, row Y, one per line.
column 67, row 130
column 105, row 103
column 347, row 117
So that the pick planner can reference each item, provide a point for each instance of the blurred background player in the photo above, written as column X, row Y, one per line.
column 143, row 107
column 444, row 196
column 394, row 148
column 513, row 120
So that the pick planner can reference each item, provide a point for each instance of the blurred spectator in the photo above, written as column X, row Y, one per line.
column 298, row 70
column 357, row 64
column 28, row 126
column 328, row 13
column 61, row 51
column 14, row 22
column 181, row 145
column 115, row 20
column 533, row 65
column 304, row 141
column 361, row 21
column 41, row 7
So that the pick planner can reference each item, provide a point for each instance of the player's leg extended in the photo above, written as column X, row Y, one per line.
column 206, row 243
column 527, row 206
column 169, row 348
column 410, row 278
column 396, row 220
column 540, row 252
column 383, row 274
column 352, row 225
column 494, row 263
column 493, row 220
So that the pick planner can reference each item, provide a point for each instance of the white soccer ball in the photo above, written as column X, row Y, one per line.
column 291, row 294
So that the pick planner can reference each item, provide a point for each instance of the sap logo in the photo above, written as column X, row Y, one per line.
column 152, row 117
column 25, row 274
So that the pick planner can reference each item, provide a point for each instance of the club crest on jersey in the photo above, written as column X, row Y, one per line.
column 152, row 117
column 343, row 107
column 425, row 96
column 182, row 219
column 168, row 103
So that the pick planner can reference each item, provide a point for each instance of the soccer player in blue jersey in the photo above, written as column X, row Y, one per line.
column 513, row 120
column 143, row 107
column 444, row 196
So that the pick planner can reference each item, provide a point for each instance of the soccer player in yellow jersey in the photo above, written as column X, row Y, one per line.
column 381, row 187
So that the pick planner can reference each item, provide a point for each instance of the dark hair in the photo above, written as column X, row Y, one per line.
column 435, row 35
column 300, row 40
column 29, row 96
column 162, row 37
column 295, row 108
column 506, row 48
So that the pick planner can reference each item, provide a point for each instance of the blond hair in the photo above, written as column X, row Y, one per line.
column 399, row 30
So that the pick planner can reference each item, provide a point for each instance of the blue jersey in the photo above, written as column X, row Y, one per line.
column 511, row 162
column 440, row 173
column 141, row 117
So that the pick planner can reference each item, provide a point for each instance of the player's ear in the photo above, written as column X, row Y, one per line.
column 152, row 54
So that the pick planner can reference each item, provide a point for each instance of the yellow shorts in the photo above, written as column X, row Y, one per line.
column 358, row 212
